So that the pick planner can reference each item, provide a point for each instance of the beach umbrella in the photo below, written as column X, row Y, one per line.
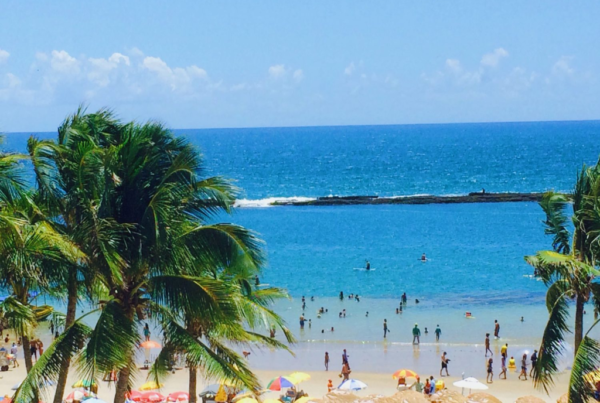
column 76, row 395
column 93, row 400
column 352, row 384
column 404, row 373
column 530, row 399
column 151, row 344
column 279, row 382
column 448, row 396
column 471, row 384
column 221, row 395
column 178, row 397
column 151, row 386
column 481, row 397
column 84, row 383
column 406, row 396
column 297, row 377
column 152, row 397
column 134, row 395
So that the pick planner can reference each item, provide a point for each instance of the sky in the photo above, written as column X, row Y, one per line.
column 195, row 64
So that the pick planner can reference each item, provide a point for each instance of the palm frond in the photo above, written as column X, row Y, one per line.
column 555, row 205
column 587, row 360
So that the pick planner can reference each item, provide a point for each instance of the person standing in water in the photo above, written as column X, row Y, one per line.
column 438, row 332
column 416, row 334
column 423, row 258
column 385, row 328
column 496, row 329
column 368, row 266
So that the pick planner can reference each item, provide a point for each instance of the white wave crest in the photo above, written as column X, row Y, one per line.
column 268, row 202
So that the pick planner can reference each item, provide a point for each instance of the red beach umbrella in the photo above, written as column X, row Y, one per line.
column 178, row 397
column 134, row 395
column 150, row 344
column 152, row 397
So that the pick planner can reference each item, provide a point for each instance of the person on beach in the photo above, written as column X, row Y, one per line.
column 329, row 386
column 345, row 358
column 438, row 332
column 431, row 385
column 385, row 328
column 368, row 266
column 301, row 321
column 445, row 361
column 427, row 387
column 534, row 359
column 490, row 371
column 401, row 384
column 326, row 361
column 416, row 334
column 14, row 350
column 503, row 372
column 346, row 371
column 33, row 349
column 487, row 345
column 404, row 298
column 418, row 385
column 146, row 332
column 504, row 350
column 496, row 329
column 523, row 368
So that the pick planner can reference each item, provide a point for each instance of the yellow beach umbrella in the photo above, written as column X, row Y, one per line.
column 297, row 377
column 151, row 386
column 221, row 395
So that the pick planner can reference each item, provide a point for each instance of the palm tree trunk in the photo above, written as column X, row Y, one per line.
column 122, row 385
column 193, row 384
column 579, row 307
column 69, row 319
column 27, row 353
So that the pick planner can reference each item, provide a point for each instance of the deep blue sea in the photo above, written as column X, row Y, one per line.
column 475, row 251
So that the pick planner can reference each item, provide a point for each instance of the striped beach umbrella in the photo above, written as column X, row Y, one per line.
column 153, row 397
column 405, row 373
column 178, row 397
column 279, row 382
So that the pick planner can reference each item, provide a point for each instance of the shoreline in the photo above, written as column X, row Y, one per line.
column 475, row 197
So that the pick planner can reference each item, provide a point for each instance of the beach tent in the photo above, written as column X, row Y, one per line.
column 481, row 397
column 530, row 399
column 352, row 384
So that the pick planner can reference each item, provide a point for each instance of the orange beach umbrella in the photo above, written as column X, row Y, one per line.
column 404, row 373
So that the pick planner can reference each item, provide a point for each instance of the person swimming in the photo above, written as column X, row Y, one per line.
column 423, row 258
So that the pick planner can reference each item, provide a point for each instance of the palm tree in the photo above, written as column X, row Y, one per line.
column 159, row 210
column 73, row 188
column 569, row 270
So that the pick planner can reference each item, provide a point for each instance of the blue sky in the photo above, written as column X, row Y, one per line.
column 196, row 64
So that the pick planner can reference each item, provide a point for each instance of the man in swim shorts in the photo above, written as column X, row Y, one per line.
column 496, row 329
column 444, row 364
column 385, row 328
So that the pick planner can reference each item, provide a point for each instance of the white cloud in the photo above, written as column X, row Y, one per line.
column 178, row 78
column 492, row 59
column 277, row 71
column 454, row 65
column 350, row 69
column 62, row 62
column 563, row 66
column 4, row 55
column 100, row 69
column 298, row 75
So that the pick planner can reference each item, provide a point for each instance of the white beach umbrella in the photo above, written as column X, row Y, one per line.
column 470, row 383
column 352, row 384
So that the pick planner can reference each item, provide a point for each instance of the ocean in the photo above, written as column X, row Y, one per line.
column 475, row 251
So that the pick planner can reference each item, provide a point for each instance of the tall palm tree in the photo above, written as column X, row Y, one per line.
column 73, row 188
column 569, row 270
column 158, row 203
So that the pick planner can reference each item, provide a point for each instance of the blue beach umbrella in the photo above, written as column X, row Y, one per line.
column 352, row 384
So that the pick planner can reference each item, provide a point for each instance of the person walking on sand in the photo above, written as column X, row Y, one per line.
column 14, row 350
column 503, row 372
column 416, row 334
column 438, row 332
column 444, row 364
column 496, row 329
column 487, row 345
column 346, row 371
column 523, row 367
column 345, row 358
column 490, row 371
column 326, row 361
column 385, row 328
column 534, row 359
